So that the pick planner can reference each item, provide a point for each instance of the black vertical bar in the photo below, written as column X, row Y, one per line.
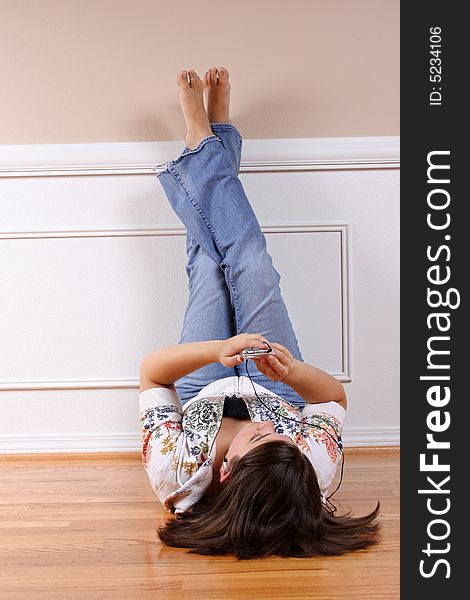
column 433, row 262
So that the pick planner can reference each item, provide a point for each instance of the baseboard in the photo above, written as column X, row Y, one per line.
column 372, row 436
column 130, row 442
column 111, row 442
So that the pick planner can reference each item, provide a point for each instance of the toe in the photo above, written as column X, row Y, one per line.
column 194, row 79
column 182, row 78
column 213, row 76
column 223, row 73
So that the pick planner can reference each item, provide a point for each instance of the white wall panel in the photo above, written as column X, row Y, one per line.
column 92, row 278
column 85, row 308
column 88, row 308
column 312, row 286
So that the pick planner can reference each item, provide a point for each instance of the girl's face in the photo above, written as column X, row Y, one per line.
column 252, row 435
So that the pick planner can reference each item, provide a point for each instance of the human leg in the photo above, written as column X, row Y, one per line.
column 204, row 190
column 232, row 142
column 209, row 316
column 217, row 90
column 211, row 202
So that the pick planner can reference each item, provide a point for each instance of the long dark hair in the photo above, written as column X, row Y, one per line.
column 270, row 505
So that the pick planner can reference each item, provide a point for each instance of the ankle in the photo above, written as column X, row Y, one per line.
column 195, row 137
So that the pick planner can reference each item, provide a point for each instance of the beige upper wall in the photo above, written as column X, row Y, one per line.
column 104, row 70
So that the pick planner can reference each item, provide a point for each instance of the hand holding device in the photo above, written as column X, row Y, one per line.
column 278, row 367
column 231, row 349
column 256, row 352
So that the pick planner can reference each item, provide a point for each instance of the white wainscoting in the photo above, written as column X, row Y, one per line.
column 92, row 278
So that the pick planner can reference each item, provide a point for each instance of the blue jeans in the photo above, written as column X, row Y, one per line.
column 233, row 285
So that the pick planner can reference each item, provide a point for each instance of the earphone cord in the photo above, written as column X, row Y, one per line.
column 339, row 444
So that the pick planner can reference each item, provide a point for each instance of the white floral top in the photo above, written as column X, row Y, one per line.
column 179, row 443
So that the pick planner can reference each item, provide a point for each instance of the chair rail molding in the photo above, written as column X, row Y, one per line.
column 146, row 158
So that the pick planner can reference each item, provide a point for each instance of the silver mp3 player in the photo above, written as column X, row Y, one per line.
column 255, row 352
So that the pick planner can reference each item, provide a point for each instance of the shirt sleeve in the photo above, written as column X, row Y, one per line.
column 161, row 414
column 332, row 409
column 323, row 425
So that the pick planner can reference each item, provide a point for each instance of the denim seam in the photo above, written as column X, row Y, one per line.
column 221, row 124
column 228, row 126
column 235, row 297
column 187, row 151
column 209, row 138
column 240, row 140
column 198, row 208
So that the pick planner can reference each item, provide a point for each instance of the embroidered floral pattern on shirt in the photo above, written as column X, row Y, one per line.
column 190, row 467
column 167, row 445
column 146, row 448
column 200, row 425
column 301, row 442
column 324, row 428
column 288, row 420
column 177, row 444
column 269, row 408
column 153, row 417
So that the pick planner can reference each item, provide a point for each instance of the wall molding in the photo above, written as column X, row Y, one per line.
column 371, row 436
column 129, row 442
column 284, row 227
column 296, row 155
column 271, row 228
column 70, row 384
column 149, row 158
column 94, row 384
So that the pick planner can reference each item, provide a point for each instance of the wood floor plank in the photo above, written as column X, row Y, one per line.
column 85, row 527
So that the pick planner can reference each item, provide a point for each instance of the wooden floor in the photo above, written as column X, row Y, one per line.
column 83, row 528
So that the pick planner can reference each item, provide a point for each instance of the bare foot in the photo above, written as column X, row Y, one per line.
column 192, row 105
column 217, row 88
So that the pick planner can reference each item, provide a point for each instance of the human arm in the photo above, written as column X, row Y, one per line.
column 312, row 384
column 162, row 367
column 161, row 414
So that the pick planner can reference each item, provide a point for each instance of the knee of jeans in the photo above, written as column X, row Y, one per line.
column 249, row 252
column 262, row 270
